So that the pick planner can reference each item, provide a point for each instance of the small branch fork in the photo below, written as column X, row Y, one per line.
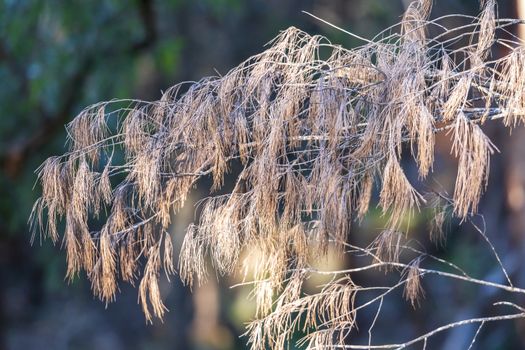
column 426, row 336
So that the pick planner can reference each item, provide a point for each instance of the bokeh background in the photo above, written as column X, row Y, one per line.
column 56, row 57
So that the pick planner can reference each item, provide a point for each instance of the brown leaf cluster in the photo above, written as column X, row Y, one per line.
column 314, row 134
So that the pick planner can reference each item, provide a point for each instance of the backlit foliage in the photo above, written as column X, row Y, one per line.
column 315, row 127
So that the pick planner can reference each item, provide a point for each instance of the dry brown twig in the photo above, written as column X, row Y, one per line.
column 314, row 133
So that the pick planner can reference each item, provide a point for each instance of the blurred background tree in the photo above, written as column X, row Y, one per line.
column 58, row 56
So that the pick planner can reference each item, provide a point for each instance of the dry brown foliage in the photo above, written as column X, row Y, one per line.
column 315, row 127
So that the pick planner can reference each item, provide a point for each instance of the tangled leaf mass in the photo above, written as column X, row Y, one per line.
column 314, row 127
